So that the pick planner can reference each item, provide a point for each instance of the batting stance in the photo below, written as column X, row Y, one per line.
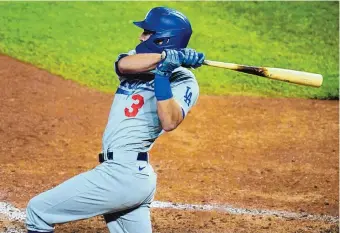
column 154, row 95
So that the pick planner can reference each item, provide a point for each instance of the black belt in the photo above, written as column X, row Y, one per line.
column 141, row 156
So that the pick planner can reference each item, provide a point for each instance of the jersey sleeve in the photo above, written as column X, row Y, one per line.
column 121, row 77
column 185, row 91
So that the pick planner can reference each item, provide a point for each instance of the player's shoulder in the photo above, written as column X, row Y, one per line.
column 181, row 75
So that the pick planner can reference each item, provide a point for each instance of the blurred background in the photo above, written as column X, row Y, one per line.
column 81, row 40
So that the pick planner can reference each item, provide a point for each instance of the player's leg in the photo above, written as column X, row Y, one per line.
column 110, row 187
column 134, row 220
column 74, row 199
column 131, row 221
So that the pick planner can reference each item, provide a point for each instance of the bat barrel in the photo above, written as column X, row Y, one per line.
column 293, row 76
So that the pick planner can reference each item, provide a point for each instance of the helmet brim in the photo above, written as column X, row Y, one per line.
column 143, row 25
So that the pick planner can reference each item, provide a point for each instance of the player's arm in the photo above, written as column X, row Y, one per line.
column 169, row 111
column 138, row 63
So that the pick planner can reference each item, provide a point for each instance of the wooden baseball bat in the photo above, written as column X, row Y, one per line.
column 292, row 76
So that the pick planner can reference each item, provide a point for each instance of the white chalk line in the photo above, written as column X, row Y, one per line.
column 15, row 214
column 239, row 211
column 11, row 213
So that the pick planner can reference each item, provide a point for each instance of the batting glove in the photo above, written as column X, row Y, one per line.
column 173, row 59
column 192, row 58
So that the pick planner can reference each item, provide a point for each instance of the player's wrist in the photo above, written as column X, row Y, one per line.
column 162, row 88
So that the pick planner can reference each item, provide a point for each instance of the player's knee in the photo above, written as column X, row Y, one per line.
column 31, row 209
column 33, row 215
column 33, row 204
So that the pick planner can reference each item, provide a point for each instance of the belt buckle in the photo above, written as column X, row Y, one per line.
column 103, row 157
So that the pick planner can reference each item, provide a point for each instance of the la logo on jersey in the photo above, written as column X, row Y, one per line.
column 187, row 96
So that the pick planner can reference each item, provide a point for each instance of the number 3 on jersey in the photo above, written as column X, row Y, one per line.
column 135, row 107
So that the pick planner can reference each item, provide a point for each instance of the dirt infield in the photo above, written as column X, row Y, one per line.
column 260, row 153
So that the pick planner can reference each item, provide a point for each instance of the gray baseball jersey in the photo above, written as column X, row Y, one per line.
column 121, row 189
column 133, row 123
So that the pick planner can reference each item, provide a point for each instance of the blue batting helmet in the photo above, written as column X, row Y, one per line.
column 171, row 30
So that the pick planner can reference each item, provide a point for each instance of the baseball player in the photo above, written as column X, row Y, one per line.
column 154, row 96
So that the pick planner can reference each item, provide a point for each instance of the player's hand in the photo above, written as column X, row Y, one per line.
column 173, row 59
column 192, row 58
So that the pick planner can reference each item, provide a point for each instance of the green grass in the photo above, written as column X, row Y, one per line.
column 80, row 41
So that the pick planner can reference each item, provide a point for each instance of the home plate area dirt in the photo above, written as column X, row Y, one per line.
column 253, row 153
